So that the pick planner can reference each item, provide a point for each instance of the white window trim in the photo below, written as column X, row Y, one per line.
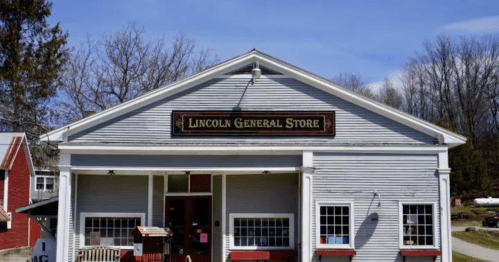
column 44, row 182
column 290, row 216
column 84, row 215
column 318, row 225
column 401, row 225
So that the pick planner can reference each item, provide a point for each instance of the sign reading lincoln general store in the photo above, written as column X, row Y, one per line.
column 253, row 123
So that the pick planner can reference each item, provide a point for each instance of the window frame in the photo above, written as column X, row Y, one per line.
column 290, row 216
column 351, row 222
column 401, row 225
column 84, row 215
column 45, row 182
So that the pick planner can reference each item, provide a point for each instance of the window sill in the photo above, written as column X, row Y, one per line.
column 420, row 253
column 262, row 255
column 336, row 253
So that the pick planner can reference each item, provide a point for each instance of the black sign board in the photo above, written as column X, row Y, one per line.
column 252, row 123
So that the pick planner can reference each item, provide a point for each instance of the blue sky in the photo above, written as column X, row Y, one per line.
column 372, row 38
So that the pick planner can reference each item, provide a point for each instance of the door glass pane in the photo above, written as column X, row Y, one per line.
column 176, row 223
column 200, row 225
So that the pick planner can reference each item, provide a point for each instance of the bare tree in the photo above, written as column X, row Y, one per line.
column 353, row 82
column 124, row 65
column 389, row 95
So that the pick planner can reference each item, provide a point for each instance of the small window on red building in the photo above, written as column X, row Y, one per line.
column 2, row 174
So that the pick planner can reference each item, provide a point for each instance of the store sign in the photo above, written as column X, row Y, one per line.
column 221, row 123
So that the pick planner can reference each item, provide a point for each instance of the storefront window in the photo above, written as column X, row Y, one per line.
column 110, row 230
column 262, row 231
column 417, row 225
column 334, row 227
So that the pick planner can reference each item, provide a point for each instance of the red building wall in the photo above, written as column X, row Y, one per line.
column 19, row 190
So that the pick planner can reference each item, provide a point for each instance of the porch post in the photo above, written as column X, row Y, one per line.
column 307, row 170
column 63, row 216
column 445, row 226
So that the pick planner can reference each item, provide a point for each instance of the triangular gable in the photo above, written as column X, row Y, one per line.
column 270, row 63
column 11, row 145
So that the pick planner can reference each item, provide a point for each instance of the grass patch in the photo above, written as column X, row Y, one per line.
column 466, row 223
column 22, row 251
column 458, row 257
column 471, row 215
column 488, row 239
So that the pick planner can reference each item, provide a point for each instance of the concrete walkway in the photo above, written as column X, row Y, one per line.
column 473, row 250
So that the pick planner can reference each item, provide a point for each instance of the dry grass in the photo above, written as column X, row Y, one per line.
column 488, row 239
column 458, row 257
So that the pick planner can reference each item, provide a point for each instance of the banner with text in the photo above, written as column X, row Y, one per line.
column 252, row 123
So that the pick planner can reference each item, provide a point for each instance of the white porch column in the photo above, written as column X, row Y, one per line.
column 63, row 215
column 306, row 184
column 445, row 225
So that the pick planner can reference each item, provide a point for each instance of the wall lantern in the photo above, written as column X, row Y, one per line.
column 256, row 72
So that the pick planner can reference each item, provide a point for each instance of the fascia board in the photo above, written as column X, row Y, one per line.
column 245, row 150
column 29, row 159
column 59, row 134
column 443, row 135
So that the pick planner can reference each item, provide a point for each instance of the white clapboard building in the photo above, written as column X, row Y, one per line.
column 256, row 159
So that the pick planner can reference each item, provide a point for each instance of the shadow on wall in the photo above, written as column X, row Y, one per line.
column 368, row 226
column 366, row 230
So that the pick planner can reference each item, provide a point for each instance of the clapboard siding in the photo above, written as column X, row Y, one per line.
column 396, row 177
column 274, row 193
column 116, row 194
column 152, row 123
column 162, row 161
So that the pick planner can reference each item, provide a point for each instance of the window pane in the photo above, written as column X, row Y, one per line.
column 40, row 183
column 49, row 183
column 113, row 231
column 273, row 232
column 334, row 226
column 417, row 225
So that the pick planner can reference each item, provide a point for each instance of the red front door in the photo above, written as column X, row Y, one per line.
column 189, row 217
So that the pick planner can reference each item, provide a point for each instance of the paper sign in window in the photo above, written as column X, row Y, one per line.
column 95, row 238
column 204, row 238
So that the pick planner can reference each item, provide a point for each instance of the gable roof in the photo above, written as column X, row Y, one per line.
column 444, row 136
column 10, row 144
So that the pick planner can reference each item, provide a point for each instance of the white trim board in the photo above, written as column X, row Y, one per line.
column 243, row 150
column 444, row 136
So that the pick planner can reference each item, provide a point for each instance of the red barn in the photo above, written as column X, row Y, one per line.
column 16, row 169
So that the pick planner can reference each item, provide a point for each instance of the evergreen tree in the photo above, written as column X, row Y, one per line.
column 469, row 172
column 32, row 56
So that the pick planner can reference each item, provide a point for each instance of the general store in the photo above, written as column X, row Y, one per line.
column 258, row 159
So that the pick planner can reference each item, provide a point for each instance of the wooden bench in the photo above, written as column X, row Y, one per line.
column 335, row 253
column 262, row 255
column 420, row 253
column 99, row 254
